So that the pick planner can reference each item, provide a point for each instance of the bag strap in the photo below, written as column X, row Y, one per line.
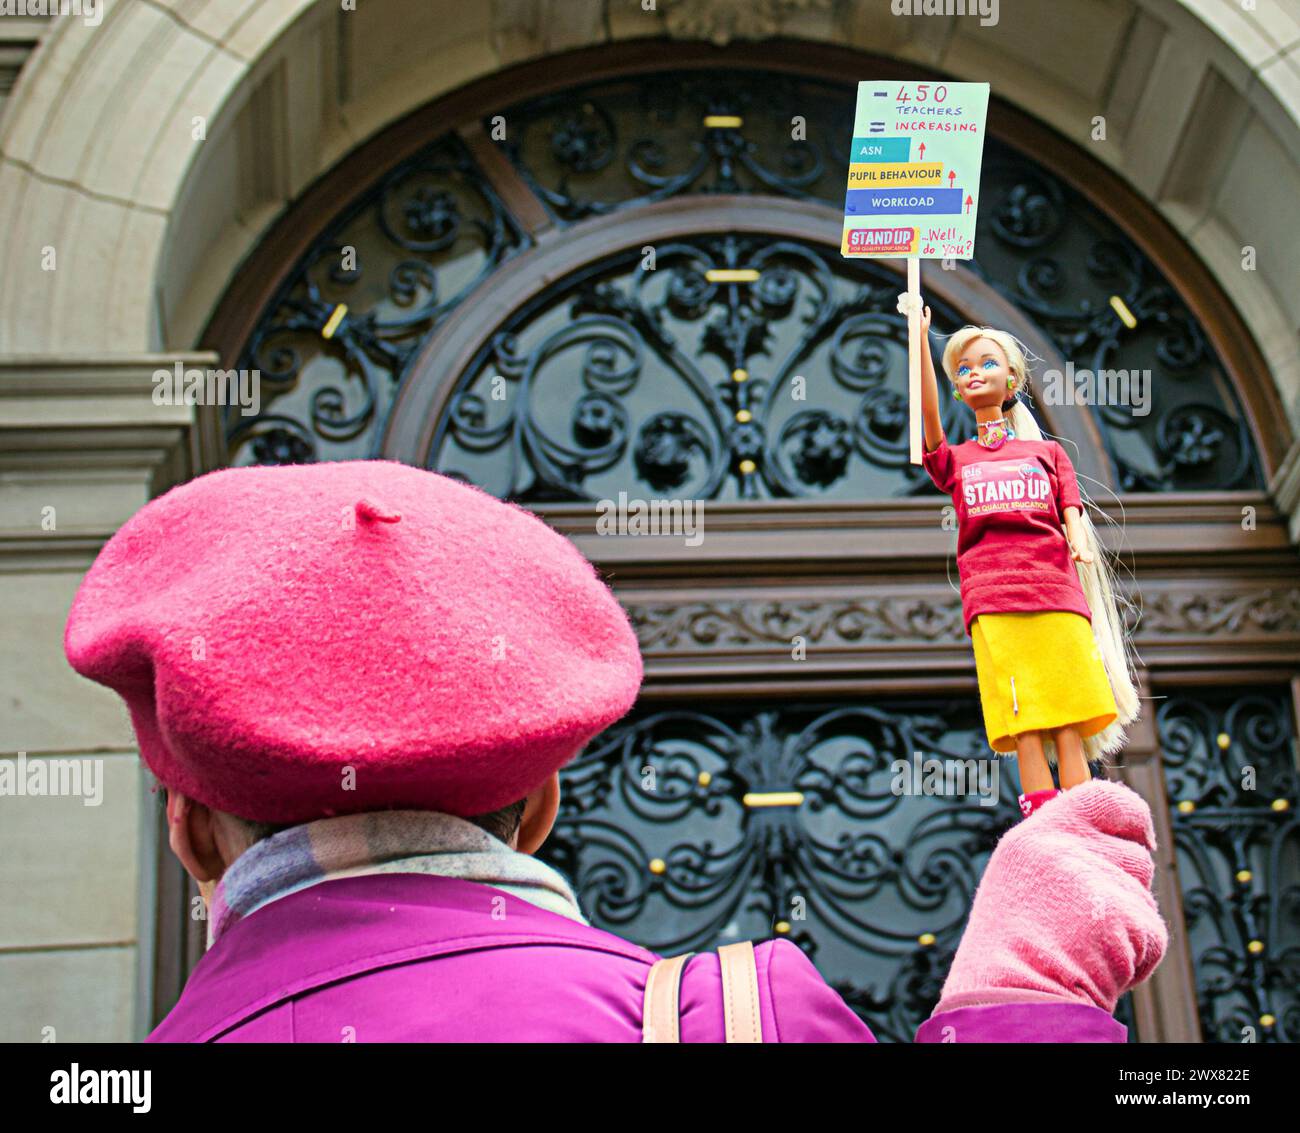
column 740, row 993
column 660, row 1016
column 661, row 1012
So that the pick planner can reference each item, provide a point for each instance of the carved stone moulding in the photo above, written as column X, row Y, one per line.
column 722, row 21
column 815, row 639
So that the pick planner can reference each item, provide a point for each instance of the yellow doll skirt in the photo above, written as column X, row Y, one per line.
column 1038, row 672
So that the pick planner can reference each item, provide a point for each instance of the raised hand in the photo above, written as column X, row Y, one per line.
column 1064, row 911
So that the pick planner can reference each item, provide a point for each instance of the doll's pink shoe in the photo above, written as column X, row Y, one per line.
column 1032, row 801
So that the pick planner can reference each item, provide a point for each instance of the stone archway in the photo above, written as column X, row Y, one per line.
column 285, row 88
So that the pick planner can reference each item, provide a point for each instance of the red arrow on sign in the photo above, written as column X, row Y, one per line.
column 969, row 201
column 922, row 151
column 952, row 176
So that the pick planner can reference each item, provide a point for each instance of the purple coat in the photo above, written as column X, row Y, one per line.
column 416, row 958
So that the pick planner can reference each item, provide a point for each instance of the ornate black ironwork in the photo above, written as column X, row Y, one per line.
column 1068, row 267
column 659, row 379
column 336, row 341
column 874, row 886
column 1230, row 767
column 592, row 150
column 627, row 142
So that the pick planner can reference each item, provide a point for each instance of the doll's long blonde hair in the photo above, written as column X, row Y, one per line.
column 1097, row 577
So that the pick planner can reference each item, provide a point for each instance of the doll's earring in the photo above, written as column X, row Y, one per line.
column 1011, row 385
column 956, row 394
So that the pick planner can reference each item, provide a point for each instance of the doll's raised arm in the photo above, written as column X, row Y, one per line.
column 930, row 418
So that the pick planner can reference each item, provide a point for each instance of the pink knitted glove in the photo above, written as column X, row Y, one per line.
column 1064, row 911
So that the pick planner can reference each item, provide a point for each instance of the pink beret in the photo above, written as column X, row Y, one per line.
column 300, row 641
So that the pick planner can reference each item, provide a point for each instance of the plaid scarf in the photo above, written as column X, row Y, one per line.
column 395, row 841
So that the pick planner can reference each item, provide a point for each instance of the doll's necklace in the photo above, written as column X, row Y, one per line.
column 994, row 434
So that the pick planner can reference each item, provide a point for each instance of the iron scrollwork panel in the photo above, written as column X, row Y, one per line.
column 622, row 143
column 337, row 340
column 670, row 380
column 684, row 829
column 1069, row 268
column 1230, row 769
column 435, row 228
column 598, row 148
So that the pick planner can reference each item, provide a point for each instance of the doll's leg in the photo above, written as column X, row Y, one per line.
column 1071, row 763
column 1035, row 774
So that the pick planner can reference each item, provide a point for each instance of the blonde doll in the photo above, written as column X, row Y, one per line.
column 1037, row 595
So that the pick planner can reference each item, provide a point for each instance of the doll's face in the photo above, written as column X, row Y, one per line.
column 981, row 374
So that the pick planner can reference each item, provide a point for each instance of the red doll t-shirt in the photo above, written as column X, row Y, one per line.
column 1012, row 553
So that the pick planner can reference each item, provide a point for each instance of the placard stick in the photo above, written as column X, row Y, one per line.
column 914, row 359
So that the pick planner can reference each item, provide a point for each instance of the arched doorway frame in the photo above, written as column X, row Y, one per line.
column 266, row 268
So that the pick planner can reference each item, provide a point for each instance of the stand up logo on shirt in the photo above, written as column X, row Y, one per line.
column 994, row 486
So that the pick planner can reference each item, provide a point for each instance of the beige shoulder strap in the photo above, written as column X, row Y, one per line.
column 659, row 1015
column 740, row 993
column 660, row 1018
